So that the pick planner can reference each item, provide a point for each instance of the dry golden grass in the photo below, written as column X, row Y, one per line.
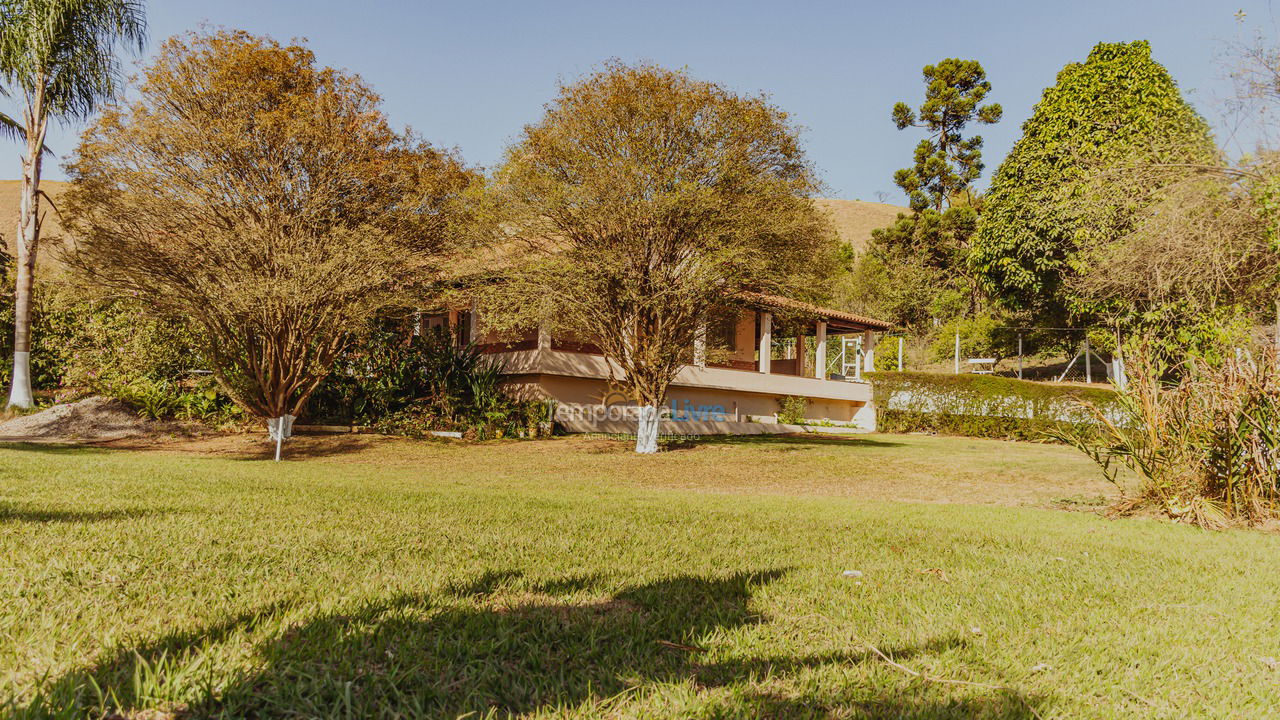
column 855, row 219
column 9, row 191
column 891, row 468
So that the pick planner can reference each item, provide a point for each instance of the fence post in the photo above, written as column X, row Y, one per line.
column 899, row 353
column 1019, row 356
column 957, row 353
column 857, row 359
column 1117, row 363
column 1088, row 365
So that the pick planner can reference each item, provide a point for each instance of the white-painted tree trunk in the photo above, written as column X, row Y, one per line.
column 20, row 394
column 28, row 241
column 647, row 430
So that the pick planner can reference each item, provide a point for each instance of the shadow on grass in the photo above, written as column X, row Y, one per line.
column 13, row 513
column 50, row 448
column 520, row 651
column 780, row 442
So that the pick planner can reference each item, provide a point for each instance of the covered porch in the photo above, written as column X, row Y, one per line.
column 779, row 336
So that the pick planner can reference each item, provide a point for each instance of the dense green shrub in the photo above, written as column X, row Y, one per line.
column 982, row 405
column 52, row 326
column 82, row 345
column 411, row 384
column 791, row 409
column 199, row 400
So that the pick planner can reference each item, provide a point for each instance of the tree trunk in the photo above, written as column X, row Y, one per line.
column 28, row 241
column 647, row 430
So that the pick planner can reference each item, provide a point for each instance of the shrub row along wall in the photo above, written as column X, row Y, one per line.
column 980, row 405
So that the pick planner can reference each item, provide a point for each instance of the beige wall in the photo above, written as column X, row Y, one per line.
column 589, row 392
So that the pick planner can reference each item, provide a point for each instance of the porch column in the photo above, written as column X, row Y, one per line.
column 472, row 333
column 544, row 337
column 700, row 345
column 820, row 356
column 800, row 369
column 766, row 341
column 868, row 351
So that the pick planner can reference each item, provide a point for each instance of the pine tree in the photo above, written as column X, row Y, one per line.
column 930, row 245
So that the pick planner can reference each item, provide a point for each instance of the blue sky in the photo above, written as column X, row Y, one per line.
column 471, row 74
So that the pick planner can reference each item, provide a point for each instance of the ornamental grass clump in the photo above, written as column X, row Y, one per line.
column 1204, row 446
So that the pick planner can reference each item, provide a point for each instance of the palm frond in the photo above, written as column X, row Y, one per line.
column 13, row 130
column 68, row 48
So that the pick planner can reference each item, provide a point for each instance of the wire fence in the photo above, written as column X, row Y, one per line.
column 1043, row 354
column 1081, row 355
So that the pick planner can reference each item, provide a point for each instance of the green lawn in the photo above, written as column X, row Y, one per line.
column 568, row 578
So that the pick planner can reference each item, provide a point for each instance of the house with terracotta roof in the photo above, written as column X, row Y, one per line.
column 762, row 350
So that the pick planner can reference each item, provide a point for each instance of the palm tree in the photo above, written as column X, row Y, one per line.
column 59, row 56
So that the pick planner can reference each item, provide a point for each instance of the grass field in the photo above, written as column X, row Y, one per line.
column 569, row 578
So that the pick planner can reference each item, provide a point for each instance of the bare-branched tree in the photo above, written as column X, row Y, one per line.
column 268, row 202
column 641, row 202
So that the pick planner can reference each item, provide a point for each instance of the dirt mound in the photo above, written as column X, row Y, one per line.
column 95, row 418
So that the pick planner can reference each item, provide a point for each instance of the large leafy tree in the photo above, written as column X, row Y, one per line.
column 1117, row 106
column 924, row 253
column 646, row 199
column 266, row 202
column 59, row 56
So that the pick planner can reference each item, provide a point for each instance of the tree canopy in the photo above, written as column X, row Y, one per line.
column 265, row 200
column 646, row 200
column 1117, row 105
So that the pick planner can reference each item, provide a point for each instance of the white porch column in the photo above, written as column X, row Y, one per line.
column 544, row 337
column 700, row 345
column 820, row 355
column 766, row 341
column 868, row 351
column 472, row 333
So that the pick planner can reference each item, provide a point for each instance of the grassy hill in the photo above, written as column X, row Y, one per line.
column 855, row 219
column 9, row 191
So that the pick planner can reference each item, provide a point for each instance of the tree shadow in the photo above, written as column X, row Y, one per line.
column 49, row 448
column 779, row 442
column 522, row 651
column 13, row 513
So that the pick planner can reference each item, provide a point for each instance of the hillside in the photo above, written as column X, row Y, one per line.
column 9, row 190
column 855, row 219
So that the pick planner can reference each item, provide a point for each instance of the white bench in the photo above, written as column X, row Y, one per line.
column 983, row 366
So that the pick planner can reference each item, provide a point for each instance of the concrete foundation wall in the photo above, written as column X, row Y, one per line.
column 586, row 399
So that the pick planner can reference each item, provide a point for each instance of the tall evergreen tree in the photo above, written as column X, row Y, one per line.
column 930, row 245
column 946, row 162
column 1118, row 104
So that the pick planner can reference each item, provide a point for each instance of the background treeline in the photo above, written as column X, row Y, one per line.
column 1115, row 211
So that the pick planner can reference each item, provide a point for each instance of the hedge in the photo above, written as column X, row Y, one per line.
column 981, row 405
